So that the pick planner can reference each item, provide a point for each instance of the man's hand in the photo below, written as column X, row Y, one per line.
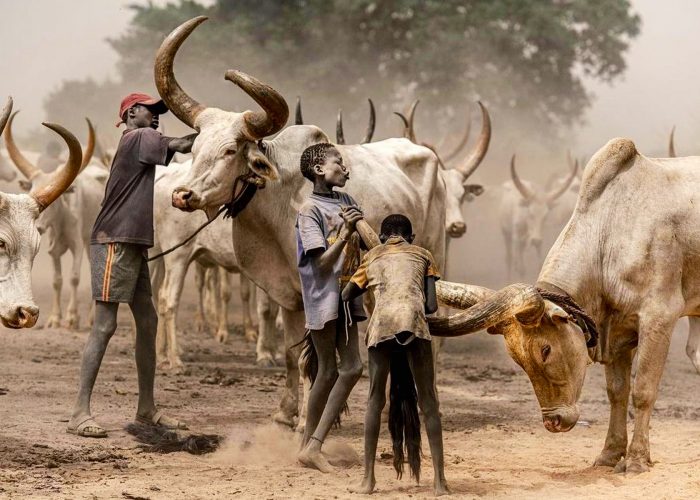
column 350, row 215
column 182, row 144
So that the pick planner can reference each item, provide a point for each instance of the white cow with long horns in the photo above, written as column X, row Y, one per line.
column 19, row 237
column 391, row 176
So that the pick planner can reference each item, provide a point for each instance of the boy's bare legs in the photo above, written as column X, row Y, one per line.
column 379, row 363
column 420, row 358
column 324, row 407
column 103, row 327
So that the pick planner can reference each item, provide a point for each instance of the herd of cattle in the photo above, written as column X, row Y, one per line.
column 628, row 255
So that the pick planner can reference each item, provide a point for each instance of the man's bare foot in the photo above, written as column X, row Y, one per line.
column 441, row 489
column 366, row 487
column 311, row 457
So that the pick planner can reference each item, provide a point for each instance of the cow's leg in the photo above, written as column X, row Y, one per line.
column 293, row 334
column 617, row 376
column 692, row 348
column 157, row 271
column 224, row 298
column 54, row 319
column 654, row 339
column 175, row 277
column 305, row 390
column 267, row 330
column 72, row 318
column 201, row 325
column 251, row 333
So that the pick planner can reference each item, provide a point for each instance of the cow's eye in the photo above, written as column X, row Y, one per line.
column 230, row 151
column 546, row 349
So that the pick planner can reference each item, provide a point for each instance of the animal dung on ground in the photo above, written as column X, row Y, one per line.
column 157, row 439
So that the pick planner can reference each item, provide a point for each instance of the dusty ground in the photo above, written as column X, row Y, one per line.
column 495, row 443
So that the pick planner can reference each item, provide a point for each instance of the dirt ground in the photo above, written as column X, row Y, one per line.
column 495, row 444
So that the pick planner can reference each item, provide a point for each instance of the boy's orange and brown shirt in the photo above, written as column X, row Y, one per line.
column 395, row 272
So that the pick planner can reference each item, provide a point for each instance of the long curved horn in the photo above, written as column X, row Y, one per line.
column 405, row 133
column 671, row 145
column 465, row 138
column 562, row 189
column 28, row 169
column 5, row 114
column 298, row 119
column 182, row 105
column 460, row 295
column 372, row 122
column 339, row 135
column 90, row 147
column 524, row 190
column 474, row 159
column 411, row 115
column 63, row 176
column 275, row 110
column 519, row 301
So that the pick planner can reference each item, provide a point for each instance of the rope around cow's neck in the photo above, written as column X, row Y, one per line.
column 233, row 208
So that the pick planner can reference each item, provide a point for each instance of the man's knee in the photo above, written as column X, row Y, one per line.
column 351, row 373
column 105, row 326
column 327, row 375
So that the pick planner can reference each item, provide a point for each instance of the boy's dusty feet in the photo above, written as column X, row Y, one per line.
column 311, row 457
column 366, row 487
column 441, row 488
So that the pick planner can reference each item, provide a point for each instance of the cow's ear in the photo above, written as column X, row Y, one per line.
column 259, row 164
column 25, row 185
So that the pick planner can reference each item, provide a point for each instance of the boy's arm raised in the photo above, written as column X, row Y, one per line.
column 325, row 259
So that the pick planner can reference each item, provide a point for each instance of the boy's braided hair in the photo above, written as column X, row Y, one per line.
column 312, row 156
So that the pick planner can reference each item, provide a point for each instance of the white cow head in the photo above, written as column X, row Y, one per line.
column 456, row 179
column 19, row 238
column 227, row 146
column 58, row 213
column 535, row 203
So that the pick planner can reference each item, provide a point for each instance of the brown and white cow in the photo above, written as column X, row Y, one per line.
column 19, row 238
column 629, row 258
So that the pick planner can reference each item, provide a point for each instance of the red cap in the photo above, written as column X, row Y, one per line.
column 156, row 105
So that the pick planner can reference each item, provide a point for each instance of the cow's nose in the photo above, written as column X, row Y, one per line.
column 552, row 423
column 181, row 199
column 457, row 229
column 27, row 316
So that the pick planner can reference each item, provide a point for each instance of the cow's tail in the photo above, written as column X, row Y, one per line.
column 308, row 366
column 404, row 423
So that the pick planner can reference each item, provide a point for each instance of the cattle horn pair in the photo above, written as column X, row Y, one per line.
column 485, row 308
column 475, row 157
column 27, row 168
column 340, row 136
column 529, row 194
column 63, row 176
column 260, row 124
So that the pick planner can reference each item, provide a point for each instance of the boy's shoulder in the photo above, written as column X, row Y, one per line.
column 345, row 198
column 309, row 207
column 388, row 250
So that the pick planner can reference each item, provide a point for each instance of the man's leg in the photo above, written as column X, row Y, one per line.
column 103, row 328
column 349, row 372
column 420, row 358
column 379, row 363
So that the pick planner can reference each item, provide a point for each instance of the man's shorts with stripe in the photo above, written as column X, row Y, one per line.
column 119, row 271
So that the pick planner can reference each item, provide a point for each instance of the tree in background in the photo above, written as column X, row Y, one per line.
column 524, row 58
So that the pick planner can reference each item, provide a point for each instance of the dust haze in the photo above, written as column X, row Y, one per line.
column 46, row 42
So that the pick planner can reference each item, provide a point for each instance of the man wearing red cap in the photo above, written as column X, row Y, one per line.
column 121, row 236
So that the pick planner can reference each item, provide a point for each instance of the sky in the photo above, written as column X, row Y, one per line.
column 46, row 41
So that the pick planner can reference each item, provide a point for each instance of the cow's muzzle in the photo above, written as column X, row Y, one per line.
column 21, row 317
column 457, row 229
column 560, row 419
column 184, row 199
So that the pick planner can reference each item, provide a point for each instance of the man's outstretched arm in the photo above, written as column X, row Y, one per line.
column 182, row 144
column 431, row 303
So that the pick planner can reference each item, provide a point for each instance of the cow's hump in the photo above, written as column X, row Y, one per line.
column 617, row 155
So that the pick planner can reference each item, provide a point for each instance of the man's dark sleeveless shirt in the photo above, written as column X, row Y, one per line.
column 127, row 209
